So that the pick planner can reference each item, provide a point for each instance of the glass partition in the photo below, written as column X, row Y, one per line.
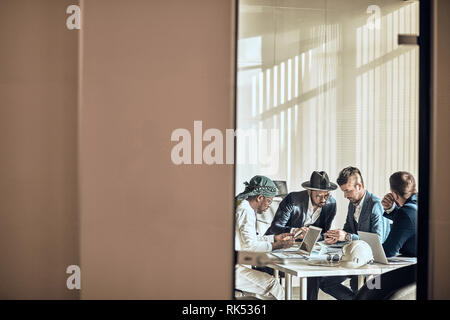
column 323, row 85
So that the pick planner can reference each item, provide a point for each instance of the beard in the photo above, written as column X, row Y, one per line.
column 318, row 204
column 260, row 210
column 354, row 201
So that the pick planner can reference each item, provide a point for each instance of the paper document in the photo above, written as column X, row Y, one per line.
column 288, row 255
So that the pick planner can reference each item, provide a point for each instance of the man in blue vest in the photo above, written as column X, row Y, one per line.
column 365, row 213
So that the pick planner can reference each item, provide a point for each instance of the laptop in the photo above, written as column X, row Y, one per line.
column 309, row 240
column 305, row 249
column 373, row 240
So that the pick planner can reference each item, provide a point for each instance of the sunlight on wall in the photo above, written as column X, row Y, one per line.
column 341, row 91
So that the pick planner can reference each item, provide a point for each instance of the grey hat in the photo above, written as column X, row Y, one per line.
column 258, row 185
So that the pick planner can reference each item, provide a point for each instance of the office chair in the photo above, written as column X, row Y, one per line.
column 282, row 188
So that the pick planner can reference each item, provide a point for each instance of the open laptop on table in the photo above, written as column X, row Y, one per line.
column 309, row 240
column 305, row 249
column 373, row 240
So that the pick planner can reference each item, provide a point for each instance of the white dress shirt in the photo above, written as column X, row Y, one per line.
column 391, row 209
column 359, row 208
column 311, row 215
column 246, row 238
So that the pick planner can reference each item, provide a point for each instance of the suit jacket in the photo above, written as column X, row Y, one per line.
column 292, row 213
column 402, row 238
column 370, row 219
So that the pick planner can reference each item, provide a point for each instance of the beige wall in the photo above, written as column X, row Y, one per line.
column 38, row 102
column 151, row 229
column 440, row 154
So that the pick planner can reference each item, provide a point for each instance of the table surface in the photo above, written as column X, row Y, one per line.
column 302, row 268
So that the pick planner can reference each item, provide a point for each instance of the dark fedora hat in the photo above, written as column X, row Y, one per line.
column 319, row 181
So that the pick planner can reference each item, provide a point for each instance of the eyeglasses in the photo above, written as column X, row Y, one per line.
column 322, row 196
column 268, row 200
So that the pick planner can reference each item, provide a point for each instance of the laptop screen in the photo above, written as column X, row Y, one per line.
column 310, row 239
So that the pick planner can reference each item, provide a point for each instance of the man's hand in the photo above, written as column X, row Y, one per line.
column 338, row 234
column 283, row 241
column 388, row 201
column 283, row 244
column 301, row 235
column 283, row 236
column 330, row 239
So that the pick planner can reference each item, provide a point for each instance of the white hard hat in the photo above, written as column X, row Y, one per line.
column 356, row 254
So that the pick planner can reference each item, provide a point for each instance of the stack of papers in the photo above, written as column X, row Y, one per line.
column 291, row 249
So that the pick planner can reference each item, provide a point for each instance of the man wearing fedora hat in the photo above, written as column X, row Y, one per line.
column 256, row 199
column 311, row 207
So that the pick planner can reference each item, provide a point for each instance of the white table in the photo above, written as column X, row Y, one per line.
column 302, row 270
